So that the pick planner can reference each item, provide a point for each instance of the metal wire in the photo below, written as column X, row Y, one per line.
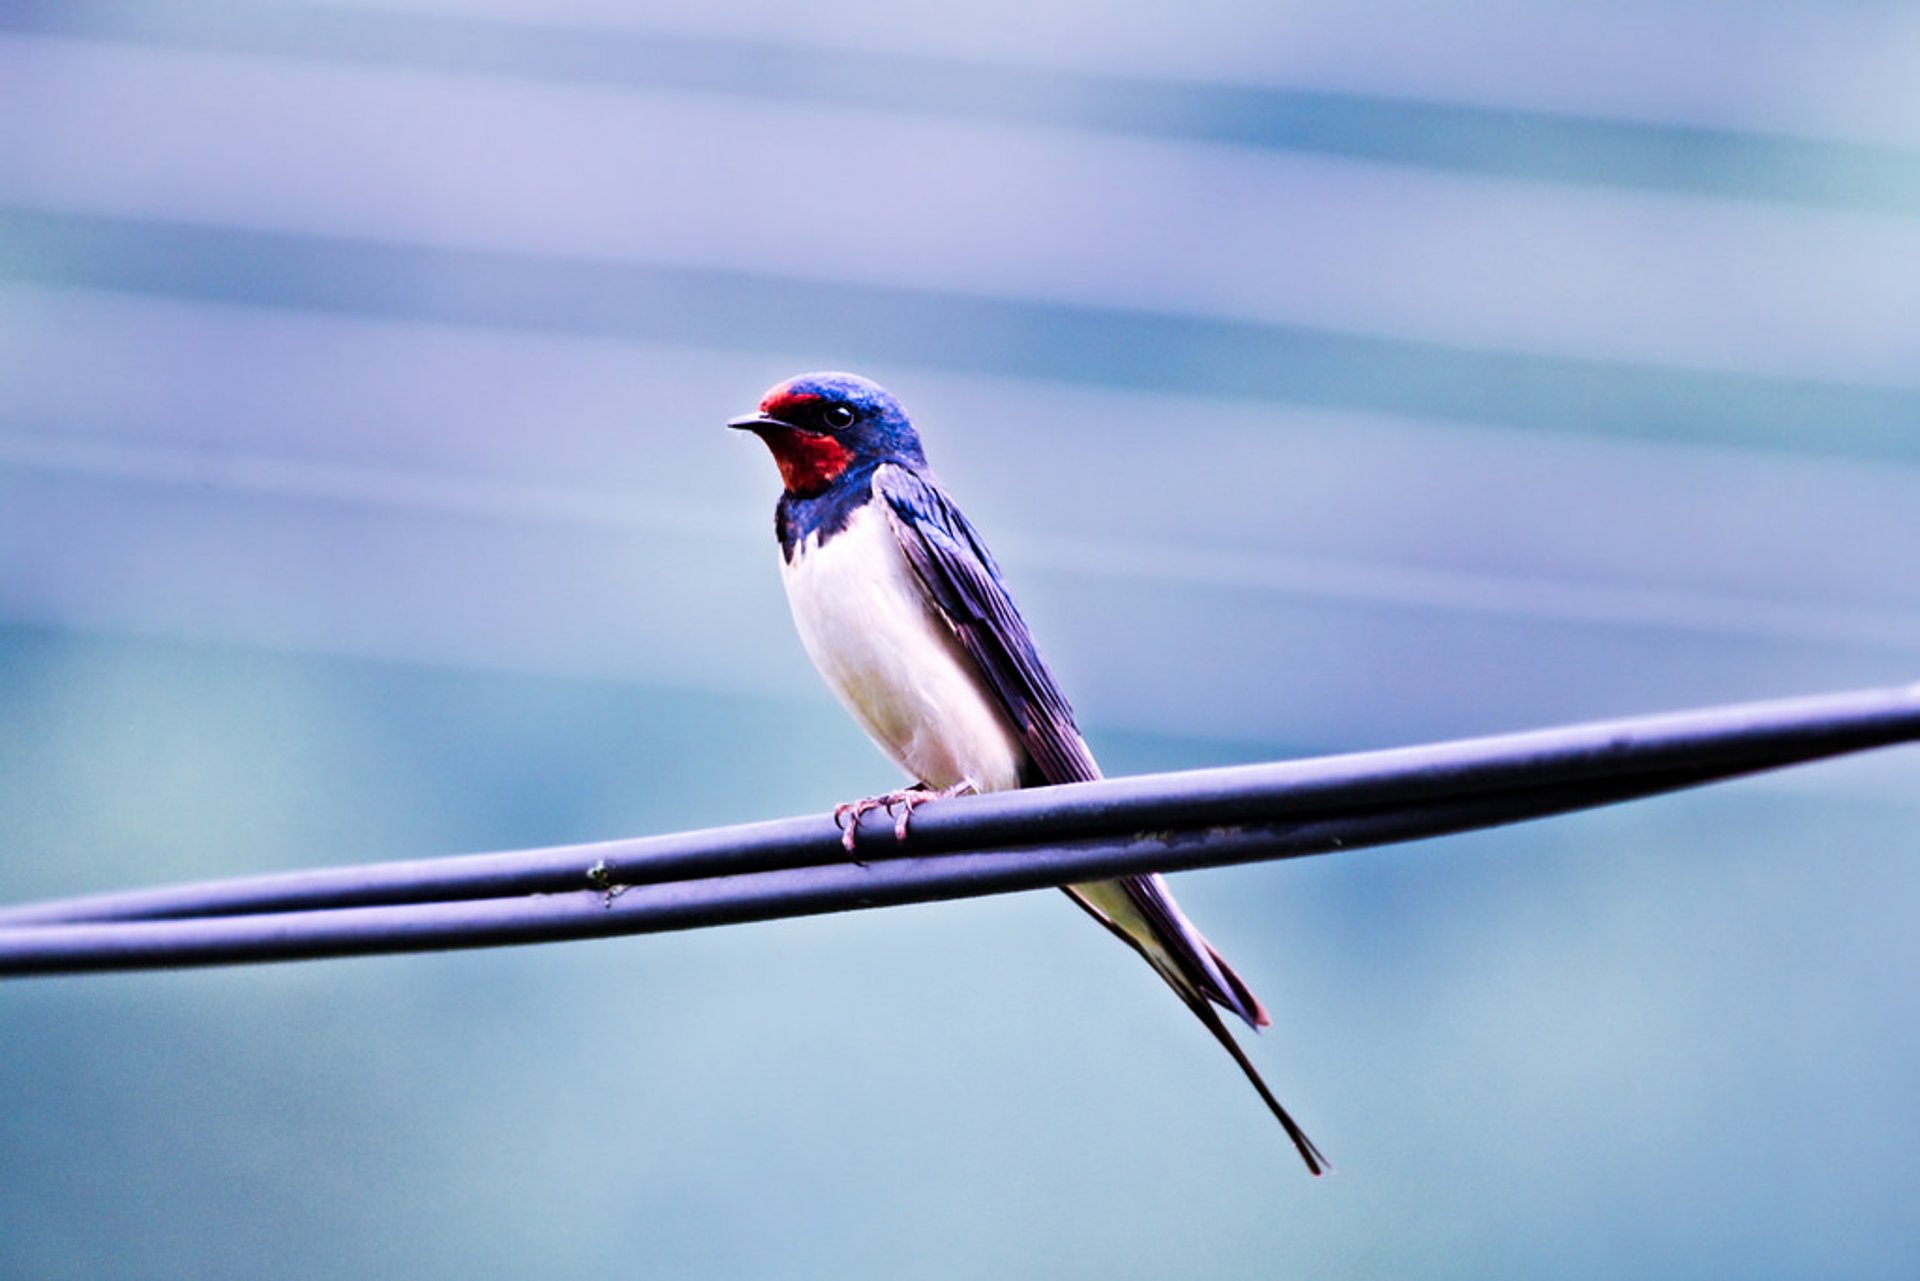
column 962, row 848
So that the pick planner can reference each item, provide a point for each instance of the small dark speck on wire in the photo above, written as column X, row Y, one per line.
column 961, row 848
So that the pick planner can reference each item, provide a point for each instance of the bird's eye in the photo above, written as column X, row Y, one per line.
column 837, row 415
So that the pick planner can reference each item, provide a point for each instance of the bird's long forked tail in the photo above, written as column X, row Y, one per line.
column 1317, row 1163
column 1181, row 956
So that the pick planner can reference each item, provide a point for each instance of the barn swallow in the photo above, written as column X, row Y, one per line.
column 901, row 607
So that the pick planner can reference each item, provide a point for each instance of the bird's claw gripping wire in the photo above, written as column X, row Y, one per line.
column 900, row 805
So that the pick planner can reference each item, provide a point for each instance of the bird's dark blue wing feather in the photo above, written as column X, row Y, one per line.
column 960, row 576
column 964, row 584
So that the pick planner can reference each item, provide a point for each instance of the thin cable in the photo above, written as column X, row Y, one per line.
column 984, row 845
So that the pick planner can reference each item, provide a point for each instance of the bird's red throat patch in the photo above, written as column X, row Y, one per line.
column 808, row 463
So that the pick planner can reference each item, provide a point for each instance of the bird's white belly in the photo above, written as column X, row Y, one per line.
column 889, row 656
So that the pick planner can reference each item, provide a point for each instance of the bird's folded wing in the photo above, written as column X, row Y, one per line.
column 964, row 584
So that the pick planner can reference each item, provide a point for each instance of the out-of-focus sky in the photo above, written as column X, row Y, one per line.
column 1325, row 376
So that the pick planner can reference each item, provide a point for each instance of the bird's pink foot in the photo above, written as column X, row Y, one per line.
column 847, row 817
column 900, row 804
column 906, row 802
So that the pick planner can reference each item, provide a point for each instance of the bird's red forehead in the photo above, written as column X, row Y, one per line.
column 783, row 398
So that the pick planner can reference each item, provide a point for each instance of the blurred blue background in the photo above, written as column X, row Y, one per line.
column 1326, row 376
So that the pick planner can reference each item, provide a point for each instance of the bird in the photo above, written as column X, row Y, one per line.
column 904, row 612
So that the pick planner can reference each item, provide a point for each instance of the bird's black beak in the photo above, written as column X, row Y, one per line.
column 761, row 422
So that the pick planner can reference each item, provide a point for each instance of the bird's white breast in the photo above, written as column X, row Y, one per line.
column 891, row 658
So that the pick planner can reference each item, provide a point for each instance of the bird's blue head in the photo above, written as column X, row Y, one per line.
column 822, row 427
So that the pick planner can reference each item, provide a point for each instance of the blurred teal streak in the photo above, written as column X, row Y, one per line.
column 1458, row 137
column 849, row 323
